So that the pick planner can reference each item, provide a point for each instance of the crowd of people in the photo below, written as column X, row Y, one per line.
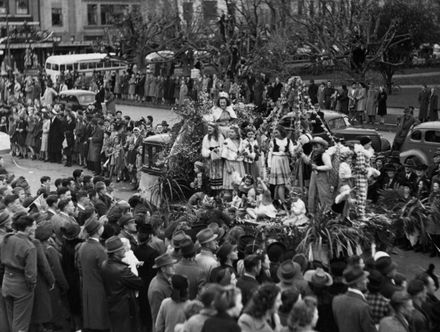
column 75, row 258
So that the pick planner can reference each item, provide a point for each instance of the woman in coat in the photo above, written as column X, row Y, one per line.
column 147, row 84
column 30, row 141
column 42, row 310
column 382, row 104
column 89, row 258
column 361, row 102
column 59, row 317
column 95, row 146
column 183, row 92
column 433, row 106
column 371, row 103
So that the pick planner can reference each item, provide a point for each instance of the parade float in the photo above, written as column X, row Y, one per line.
column 168, row 170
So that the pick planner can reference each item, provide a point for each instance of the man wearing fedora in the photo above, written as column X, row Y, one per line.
column 407, row 175
column 120, row 285
column 89, row 257
column 207, row 259
column 145, row 253
column 351, row 310
column 188, row 267
column 290, row 275
column 160, row 287
column 399, row 321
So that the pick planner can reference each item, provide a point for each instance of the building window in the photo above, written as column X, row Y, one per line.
column 4, row 6
column 22, row 7
column 110, row 14
column 57, row 17
column 209, row 8
column 92, row 14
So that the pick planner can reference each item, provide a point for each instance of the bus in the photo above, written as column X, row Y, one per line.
column 83, row 63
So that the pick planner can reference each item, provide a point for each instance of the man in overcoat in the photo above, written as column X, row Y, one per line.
column 95, row 146
column 351, row 310
column 423, row 103
column 56, row 137
column 160, row 286
column 89, row 258
column 120, row 285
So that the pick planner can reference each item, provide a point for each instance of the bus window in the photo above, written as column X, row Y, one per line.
column 69, row 67
column 92, row 65
column 55, row 67
column 83, row 66
column 48, row 66
column 62, row 67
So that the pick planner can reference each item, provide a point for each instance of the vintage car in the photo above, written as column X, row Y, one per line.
column 76, row 99
column 5, row 143
column 339, row 126
column 421, row 142
column 153, row 158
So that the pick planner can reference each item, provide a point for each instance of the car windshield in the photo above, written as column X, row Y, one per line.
column 338, row 123
column 86, row 99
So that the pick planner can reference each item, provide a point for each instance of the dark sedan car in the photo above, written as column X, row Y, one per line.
column 339, row 125
column 77, row 99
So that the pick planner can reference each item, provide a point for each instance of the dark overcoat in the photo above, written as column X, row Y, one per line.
column 120, row 285
column 90, row 256
column 95, row 145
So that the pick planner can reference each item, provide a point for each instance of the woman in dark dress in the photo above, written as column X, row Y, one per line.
column 21, row 135
column 382, row 104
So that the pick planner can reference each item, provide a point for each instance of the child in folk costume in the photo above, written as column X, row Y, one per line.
column 250, row 151
column 139, row 165
column 344, row 172
column 364, row 152
column 297, row 211
column 280, row 149
column 212, row 145
column 199, row 182
column 231, row 154
column 264, row 207
column 116, row 158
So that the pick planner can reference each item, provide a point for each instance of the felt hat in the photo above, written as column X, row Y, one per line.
column 114, row 244
column 164, row 123
column 318, row 277
column 353, row 275
column 125, row 220
column 178, row 238
column 389, row 168
column 187, row 247
column 92, row 225
column 70, row 230
column 163, row 260
column 4, row 217
column 219, row 231
column 288, row 270
column 275, row 251
column 364, row 140
column 206, row 235
column 385, row 265
column 410, row 163
column 320, row 140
